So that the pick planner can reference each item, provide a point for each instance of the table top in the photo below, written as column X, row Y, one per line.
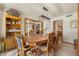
column 36, row 38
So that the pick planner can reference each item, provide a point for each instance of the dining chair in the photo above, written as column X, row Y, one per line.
column 22, row 47
column 19, row 43
column 34, row 48
column 59, row 38
column 52, row 42
column 48, row 48
column 58, row 41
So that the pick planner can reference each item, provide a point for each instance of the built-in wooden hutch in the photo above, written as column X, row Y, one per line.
column 13, row 25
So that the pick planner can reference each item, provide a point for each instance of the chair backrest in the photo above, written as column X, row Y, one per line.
column 51, row 40
column 52, row 37
column 23, row 41
column 18, row 39
column 59, row 34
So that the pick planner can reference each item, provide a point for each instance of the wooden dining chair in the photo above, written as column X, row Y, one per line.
column 50, row 44
column 59, row 38
column 57, row 42
column 19, row 43
column 22, row 47
column 34, row 48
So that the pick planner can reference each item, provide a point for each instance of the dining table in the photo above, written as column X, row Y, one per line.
column 36, row 39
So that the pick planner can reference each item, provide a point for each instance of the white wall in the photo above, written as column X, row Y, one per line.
column 69, row 34
column 47, row 27
column 2, row 23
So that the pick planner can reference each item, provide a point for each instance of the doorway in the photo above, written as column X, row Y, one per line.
column 58, row 26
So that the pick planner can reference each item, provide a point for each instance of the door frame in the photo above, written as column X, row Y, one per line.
column 78, row 21
column 54, row 26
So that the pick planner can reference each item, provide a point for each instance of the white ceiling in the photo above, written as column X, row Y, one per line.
column 34, row 10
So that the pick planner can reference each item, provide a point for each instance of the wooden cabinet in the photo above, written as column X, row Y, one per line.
column 10, row 43
column 13, row 25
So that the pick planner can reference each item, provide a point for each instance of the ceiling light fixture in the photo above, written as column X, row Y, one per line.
column 45, row 8
column 44, row 15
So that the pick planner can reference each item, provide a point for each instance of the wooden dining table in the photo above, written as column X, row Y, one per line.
column 36, row 39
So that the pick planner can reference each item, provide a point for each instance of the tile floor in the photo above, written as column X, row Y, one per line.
column 10, row 53
column 65, row 50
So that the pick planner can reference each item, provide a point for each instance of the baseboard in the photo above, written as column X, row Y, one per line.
column 68, row 42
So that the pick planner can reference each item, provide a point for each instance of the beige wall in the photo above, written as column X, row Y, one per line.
column 69, row 34
column 2, row 21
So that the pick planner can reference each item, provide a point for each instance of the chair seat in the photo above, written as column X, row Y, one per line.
column 27, row 48
column 43, row 48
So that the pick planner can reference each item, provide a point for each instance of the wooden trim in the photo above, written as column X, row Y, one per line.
column 54, row 23
column 24, row 27
column 57, row 20
column 54, row 26
column 32, row 20
column 42, row 29
column 78, row 19
column 68, row 42
column 32, row 23
column 13, row 17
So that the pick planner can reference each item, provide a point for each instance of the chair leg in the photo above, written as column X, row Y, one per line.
column 18, row 52
column 52, row 51
column 23, row 53
column 47, row 53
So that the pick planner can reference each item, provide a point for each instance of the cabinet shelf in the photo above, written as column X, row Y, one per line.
column 13, row 25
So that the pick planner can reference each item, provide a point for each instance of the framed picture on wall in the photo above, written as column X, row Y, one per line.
column 73, row 24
